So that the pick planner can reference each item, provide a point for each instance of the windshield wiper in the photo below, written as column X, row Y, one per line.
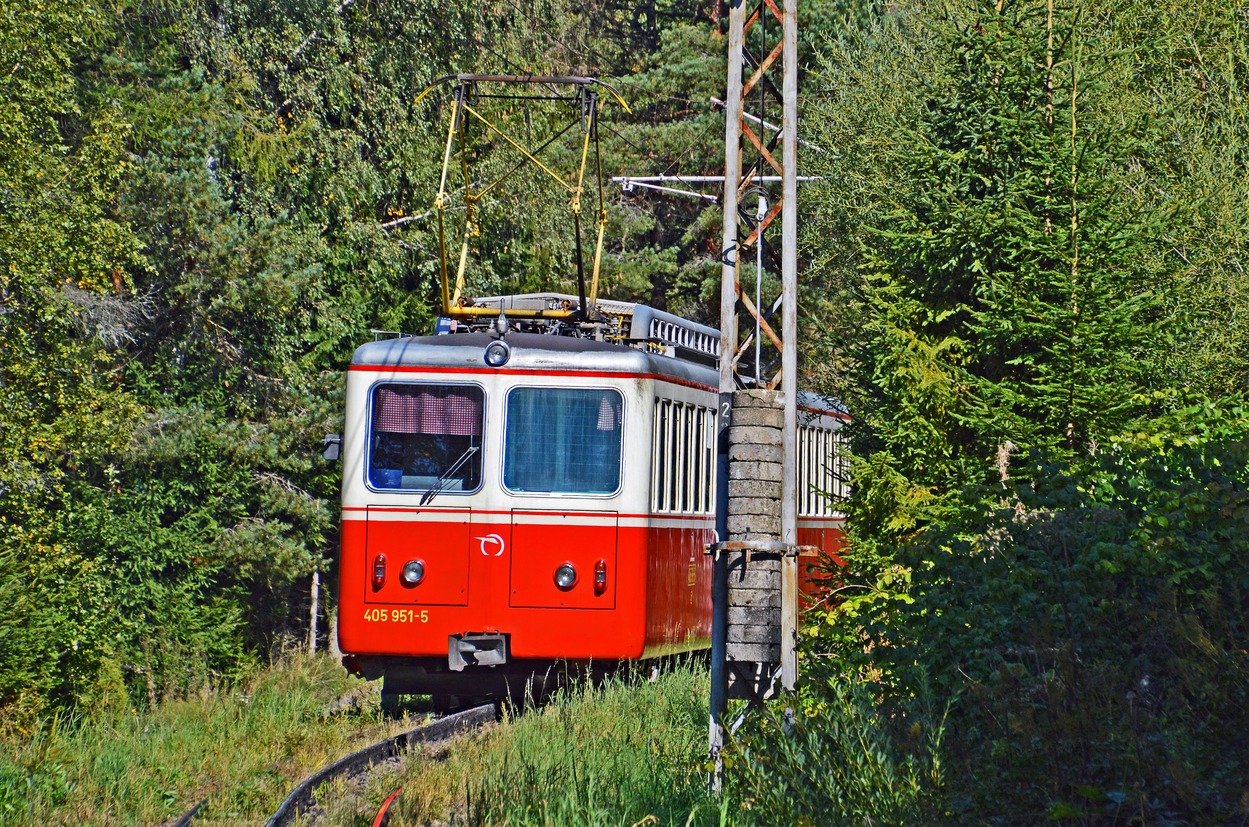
column 445, row 477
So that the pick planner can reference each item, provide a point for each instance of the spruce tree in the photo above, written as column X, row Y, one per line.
column 1006, row 291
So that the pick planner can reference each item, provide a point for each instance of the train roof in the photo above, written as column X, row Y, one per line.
column 529, row 351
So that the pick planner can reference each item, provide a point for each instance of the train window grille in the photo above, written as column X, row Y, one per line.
column 419, row 432
column 682, row 459
column 683, row 335
column 821, row 472
column 563, row 440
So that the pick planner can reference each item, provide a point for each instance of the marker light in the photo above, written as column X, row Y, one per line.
column 600, row 577
column 379, row 571
column 413, row 572
column 565, row 577
column 497, row 354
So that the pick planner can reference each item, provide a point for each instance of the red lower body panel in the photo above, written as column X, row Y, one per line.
column 639, row 591
column 505, row 567
column 678, row 597
column 817, row 575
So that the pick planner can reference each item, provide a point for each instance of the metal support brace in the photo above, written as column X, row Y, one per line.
column 762, row 546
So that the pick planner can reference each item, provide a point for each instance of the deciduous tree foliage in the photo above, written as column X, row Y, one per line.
column 63, row 420
column 204, row 209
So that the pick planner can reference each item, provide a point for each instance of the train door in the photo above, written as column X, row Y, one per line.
column 424, row 459
column 563, row 559
column 417, row 556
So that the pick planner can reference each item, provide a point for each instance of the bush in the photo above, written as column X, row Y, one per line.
column 1092, row 623
column 836, row 763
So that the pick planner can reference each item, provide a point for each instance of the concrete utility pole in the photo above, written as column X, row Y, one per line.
column 755, row 683
column 789, row 352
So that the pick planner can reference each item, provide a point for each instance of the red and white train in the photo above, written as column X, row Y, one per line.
column 513, row 500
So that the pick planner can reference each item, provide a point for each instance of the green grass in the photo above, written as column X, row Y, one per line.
column 242, row 748
column 629, row 751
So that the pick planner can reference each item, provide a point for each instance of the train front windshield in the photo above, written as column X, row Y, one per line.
column 563, row 440
column 424, row 437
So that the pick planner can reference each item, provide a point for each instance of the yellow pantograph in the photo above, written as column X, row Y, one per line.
column 585, row 103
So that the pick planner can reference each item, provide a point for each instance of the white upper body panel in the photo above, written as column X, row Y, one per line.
column 535, row 361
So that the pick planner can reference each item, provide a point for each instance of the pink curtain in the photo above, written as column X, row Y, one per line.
column 420, row 410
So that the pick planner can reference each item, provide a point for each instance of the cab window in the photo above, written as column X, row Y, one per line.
column 425, row 436
column 563, row 440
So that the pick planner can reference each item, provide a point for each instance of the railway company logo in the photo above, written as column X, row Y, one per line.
column 491, row 545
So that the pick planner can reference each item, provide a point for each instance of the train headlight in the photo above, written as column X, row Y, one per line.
column 497, row 353
column 413, row 572
column 565, row 577
column 379, row 571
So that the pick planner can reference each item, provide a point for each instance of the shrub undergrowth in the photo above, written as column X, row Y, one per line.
column 833, row 761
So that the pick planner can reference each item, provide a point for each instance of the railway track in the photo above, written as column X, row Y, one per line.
column 303, row 799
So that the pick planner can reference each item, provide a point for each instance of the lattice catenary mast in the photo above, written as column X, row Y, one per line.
column 737, row 182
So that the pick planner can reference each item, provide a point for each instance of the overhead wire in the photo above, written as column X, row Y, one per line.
column 544, row 30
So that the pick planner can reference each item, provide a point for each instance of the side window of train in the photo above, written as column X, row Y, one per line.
column 424, row 437
column 682, row 457
column 821, row 472
column 563, row 440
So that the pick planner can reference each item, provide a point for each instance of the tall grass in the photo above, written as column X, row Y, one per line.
column 241, row 747
column 629, row 750
column 626, row 751
column 632, row 752
column 836, row 761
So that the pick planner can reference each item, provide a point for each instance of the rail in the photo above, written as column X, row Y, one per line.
column 303, row 797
